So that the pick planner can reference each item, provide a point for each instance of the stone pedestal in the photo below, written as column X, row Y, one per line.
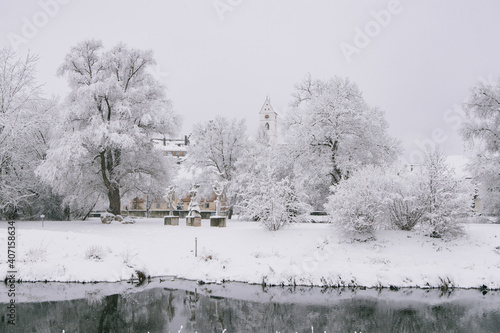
column 171, row 220
column 193, row 221
column 218, row 221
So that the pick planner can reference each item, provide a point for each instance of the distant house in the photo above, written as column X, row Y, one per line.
column 158, row 208
column 172, row 147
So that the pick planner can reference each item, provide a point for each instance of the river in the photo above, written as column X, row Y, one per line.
column 171, row 305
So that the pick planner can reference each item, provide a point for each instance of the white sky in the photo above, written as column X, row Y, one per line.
column 417, row 68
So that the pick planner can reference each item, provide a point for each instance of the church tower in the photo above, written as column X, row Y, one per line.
column 268, row 126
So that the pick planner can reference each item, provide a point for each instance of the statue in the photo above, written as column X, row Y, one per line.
column 170, row 199
column 194, row 204
column 218, row 220
column 218, row 189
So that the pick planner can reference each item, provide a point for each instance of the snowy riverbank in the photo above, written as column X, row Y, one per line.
column 305, row 254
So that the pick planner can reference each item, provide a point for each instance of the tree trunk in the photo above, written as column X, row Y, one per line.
column 112, row 187
column 114, row 201
column 335, row 174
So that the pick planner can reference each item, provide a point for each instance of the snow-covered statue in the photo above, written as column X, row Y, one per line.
column 194, row 204
column 170, row 199
column 218, row 190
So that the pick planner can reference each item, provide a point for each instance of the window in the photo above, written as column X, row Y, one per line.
column 267, row 126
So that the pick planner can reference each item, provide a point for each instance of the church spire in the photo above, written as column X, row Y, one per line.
column 268, row 121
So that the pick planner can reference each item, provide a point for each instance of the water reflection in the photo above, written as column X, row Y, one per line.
column 187, row 307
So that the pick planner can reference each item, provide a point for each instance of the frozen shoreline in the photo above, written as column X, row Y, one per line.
column 302, row 255
column 27, row 292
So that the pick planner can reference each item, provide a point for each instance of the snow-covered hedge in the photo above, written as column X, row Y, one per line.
column 431, row 198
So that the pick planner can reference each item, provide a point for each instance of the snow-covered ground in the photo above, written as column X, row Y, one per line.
column 304, row 254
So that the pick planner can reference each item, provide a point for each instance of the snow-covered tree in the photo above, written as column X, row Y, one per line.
column 447, row 198
column 358, row 203
column 25, row 119
column 264, row 189
column 481, row 130
column 106, row 125
column 216, row 147
column 273, row 202
column 331, row 131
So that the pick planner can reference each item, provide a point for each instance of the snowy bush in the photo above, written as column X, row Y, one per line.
column 405, row 199
column 274, row 203
column 95, row 252
column 405, row 212
column 128, row 220
column 431, row 198
column 479, row 219
column 127, row 256
column 107, row 218
column 357, row 204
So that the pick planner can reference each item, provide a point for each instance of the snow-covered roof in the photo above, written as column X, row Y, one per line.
column 170, row 146
column 167, row 144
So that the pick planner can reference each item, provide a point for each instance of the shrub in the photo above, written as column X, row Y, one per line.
column 274, row 203
column 127, row 256
column 357, row 203
column 107, row 218
column 405, row 199
column 95, row 252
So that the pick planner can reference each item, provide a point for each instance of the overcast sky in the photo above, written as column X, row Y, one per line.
column 416, row 60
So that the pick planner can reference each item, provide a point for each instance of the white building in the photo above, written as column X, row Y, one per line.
column 268, row 126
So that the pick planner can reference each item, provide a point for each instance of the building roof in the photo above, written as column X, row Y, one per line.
column 167, row 144
column 267, row 108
